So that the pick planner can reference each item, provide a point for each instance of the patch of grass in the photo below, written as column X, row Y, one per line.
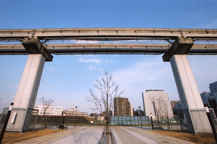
column 13, row 137
column 207, row 138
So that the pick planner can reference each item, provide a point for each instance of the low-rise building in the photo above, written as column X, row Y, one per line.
column 49, row 110
column 73, row 112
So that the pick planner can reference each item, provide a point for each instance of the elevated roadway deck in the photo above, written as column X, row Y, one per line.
column 111, row 48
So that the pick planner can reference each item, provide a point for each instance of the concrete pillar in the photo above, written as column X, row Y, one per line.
column 197, row 121
column 26, row 93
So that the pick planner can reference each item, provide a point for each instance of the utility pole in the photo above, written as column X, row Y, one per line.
column 140, row 115
column 75, row 114
column 152, row 126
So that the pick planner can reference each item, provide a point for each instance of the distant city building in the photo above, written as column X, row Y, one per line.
column 93, row 115
column 73, row 112
column 157, row 104
column 177, row 111
column 178, row 106
column 122, row 107
column 139, row 112
column 100, row 118
column 173, row 104
column 205, row 97
column 49, row 110
column 213, row 87
column 215, row 96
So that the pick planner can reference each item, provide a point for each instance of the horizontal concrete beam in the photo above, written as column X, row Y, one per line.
column 108, row 34
column 107, row 48
column 34, row 46
column 180, row 46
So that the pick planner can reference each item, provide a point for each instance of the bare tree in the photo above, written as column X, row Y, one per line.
column 161, row 109
column 46, row 104
column 166, row 114
column 157, row 102
column 103, row 102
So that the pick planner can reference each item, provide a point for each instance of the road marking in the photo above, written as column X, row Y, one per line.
column 144, row 139
column 118, row 141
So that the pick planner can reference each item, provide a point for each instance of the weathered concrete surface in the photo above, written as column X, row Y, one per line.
column 108, row 34
column 180, row 46
column 34, row 46
column 108, row 48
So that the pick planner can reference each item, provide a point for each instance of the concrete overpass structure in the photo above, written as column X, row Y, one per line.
column 175, row 44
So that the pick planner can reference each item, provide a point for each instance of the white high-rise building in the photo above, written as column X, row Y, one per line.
column 157, row 104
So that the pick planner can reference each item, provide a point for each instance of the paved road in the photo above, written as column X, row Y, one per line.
column 93, row 135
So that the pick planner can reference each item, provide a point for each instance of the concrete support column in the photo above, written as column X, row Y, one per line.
column 26, row 93
column 197, row 121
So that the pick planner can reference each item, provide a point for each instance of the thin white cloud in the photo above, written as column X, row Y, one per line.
column 93, row 60
column 144, row 71
column 83, row 41
column 208, row 25
column 149, row 73
column 50, row 68
column 110, row 61
column 92, row 68
column 153, row 73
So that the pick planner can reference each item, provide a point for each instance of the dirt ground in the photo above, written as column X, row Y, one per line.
column 198, row 138
column 13, row 137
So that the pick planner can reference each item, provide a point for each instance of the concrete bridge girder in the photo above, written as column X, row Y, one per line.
column 108, row 34
column 108, row 48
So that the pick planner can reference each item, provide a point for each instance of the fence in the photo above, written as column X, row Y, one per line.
column 129, row 120
column 178, row 123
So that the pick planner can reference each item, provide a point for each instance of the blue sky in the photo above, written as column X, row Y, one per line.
column 67, row 79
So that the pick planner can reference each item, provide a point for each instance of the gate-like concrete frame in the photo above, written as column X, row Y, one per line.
column 186, row 84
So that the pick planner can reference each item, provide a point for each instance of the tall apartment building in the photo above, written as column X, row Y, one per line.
column 157, row 103
column 51, row 110
column 122, row 107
